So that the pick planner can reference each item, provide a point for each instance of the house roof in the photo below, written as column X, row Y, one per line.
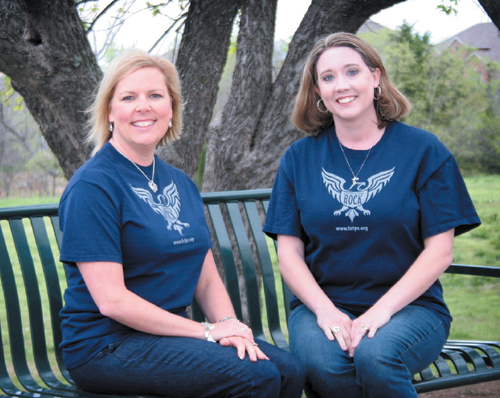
column 483, row 38
column 370, row 26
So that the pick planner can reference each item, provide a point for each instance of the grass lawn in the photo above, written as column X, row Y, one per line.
column 474, row 301
column 34, row 200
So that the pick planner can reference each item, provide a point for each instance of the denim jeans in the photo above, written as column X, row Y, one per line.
column 382, row 367
column 187, row 367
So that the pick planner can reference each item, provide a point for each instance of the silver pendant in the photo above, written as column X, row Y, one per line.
column 153, row 186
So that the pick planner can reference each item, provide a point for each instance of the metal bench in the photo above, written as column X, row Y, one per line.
column 33, row 280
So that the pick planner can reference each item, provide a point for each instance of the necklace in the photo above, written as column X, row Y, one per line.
column 151, row 181
column 354, row 176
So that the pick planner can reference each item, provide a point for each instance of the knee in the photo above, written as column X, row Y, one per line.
column 374, row 362
column 294, row 370
column 266, row 381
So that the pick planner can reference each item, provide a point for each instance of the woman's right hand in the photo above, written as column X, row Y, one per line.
column 243, row 346
column 337, row 326
column 233, row 333
column 231, row 328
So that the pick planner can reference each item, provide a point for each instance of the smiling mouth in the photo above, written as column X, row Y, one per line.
column 143, row 124
column 346, row 100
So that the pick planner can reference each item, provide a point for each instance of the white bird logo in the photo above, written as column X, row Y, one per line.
column 353, row 200
column 169, row 205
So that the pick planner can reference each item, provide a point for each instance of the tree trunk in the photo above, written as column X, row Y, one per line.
column 231, row 135
column 202, row 57
column 492, row 8
column 254, row 131
column 45, row 52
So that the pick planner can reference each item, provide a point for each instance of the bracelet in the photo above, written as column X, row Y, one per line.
column 226, row 318
column 208, row 327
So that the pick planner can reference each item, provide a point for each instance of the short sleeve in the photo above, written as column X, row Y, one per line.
column 90, row 224
column 283, row 216
column 445, row 202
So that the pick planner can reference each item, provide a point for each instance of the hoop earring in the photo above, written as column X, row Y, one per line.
column 378, row 90
column 110, row 127
column 319, row 109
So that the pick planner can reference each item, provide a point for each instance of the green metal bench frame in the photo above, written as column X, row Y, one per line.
column 245, row 256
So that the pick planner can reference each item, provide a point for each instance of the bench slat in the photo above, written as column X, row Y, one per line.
column 53, row 290
column 37, row 327
column 12, row 307
column 287, row 292
column 247, row 262
column 273, row 316
column 442, row 367
column 227, row 258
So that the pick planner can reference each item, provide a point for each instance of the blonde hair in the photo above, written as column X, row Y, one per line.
column 122, row 66
column 389, row 105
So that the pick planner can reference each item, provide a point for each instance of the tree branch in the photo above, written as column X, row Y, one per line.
column 181, row 17
column 103, row 12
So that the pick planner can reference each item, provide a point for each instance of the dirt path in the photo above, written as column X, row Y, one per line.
column 488, row 390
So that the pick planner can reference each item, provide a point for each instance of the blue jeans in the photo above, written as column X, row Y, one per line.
column 187, row 367
column 382, row 367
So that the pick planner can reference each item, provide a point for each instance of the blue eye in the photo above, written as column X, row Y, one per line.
column 156, row 96
column 327, row 78
column 128, row 98
column 352, row 72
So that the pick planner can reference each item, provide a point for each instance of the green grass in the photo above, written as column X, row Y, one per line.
column 481, row 246
column 473, row 301
column 34, row 200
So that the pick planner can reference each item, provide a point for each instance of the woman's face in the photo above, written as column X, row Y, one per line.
column 346, row 85
column 141, row 109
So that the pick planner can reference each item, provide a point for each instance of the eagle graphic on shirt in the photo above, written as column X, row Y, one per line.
column 353, row 199
column 168, row 205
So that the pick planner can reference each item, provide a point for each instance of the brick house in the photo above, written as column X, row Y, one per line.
column 480, row 45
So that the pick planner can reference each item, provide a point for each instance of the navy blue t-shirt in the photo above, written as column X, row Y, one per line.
column 361, row 238
column 109, row 213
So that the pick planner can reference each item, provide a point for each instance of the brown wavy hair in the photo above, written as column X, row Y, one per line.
column 122, row 66
column 390, row 104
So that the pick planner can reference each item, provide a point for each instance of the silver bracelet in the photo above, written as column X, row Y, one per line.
column 226, row 318
column 208, row 327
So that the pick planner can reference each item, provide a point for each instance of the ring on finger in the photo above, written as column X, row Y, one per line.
column 255, row 345
column 335, row 329
column 364, row 327
column 243, row 329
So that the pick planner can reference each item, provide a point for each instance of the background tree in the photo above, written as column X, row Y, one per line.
column 448, row 96
column 45, row 50
column 21, row 143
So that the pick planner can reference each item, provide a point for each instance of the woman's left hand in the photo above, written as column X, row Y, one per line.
column 243, row 345
column 368, row 323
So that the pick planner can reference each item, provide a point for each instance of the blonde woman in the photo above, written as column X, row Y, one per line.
column 137, row 250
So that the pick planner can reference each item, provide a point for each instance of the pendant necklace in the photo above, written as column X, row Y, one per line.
column 354, row 176
column 151, row 181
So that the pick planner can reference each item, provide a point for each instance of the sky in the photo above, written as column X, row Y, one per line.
column 142, row 31
column 422, row 13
